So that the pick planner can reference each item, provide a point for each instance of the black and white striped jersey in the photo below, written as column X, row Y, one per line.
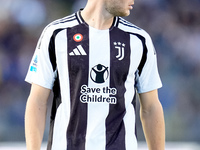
column 94, row 75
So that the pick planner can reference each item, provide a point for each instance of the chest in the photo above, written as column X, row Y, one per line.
column 98, row 50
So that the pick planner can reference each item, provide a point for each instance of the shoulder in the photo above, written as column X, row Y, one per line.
column 56, row 26
column 69, row 20
column 132, row 29
column 62, row 23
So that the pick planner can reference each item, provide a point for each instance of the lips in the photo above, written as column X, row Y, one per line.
column 131, row 6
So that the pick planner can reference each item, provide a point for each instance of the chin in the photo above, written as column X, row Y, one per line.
column 124, row 14
column 121, row 13
column 127, row 14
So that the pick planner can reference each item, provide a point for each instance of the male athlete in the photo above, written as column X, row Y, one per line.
column 95, row 62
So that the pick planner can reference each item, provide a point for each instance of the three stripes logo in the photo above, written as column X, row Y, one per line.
column 78, row 51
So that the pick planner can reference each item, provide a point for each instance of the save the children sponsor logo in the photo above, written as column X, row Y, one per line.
column 99, row 73
column 98, row 95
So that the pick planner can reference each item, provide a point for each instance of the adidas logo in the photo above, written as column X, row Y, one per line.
column 78, row 51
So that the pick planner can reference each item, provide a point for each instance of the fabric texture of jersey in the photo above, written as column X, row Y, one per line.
column 94, row 75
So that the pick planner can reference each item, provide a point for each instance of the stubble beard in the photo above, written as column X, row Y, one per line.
column 115, row 9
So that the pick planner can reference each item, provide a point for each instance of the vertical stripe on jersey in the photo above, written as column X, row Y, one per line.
column 98, row 110
column 119, row 68
column 144, row 55
column 56, row 102
column 63, row 111
column 56, row 88
column 78, row 74
column 130, row 95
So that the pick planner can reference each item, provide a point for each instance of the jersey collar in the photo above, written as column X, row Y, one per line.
column 82, row 21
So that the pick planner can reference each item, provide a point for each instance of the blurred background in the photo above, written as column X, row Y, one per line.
column 174, row 26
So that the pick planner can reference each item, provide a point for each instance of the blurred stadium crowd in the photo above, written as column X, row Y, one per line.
column 174, row 26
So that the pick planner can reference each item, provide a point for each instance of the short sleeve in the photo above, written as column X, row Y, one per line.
column 40, row 69
column 149, row 78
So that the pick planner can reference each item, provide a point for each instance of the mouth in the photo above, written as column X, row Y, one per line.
column 131, row 5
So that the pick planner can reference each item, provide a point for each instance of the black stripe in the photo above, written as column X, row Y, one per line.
column 52, row 53
column 55, row 104
column 144, row 55
column 115, row 129
column 117, row 21
column 78, row 76
column 79, row 17
column 56, row 88
column 134, row 101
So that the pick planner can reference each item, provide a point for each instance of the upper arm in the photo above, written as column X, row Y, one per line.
column 39, row 94
column 149, row 99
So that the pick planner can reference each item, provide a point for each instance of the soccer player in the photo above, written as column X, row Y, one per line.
column 95, row 62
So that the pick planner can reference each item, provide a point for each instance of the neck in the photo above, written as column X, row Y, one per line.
column 96, row 16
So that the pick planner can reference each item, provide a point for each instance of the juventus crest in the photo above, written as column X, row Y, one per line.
column 120, row 47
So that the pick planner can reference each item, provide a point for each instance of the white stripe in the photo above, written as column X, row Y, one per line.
column 97, row 112
column 65, row 19
column 82, row 51
column 79, row 18
column 71, row 54
column 63, row 112
column 76, row 51
column 117, row 18
column 129, row 119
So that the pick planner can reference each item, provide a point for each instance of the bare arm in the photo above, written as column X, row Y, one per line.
column 151, row 113
column 35, row 116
